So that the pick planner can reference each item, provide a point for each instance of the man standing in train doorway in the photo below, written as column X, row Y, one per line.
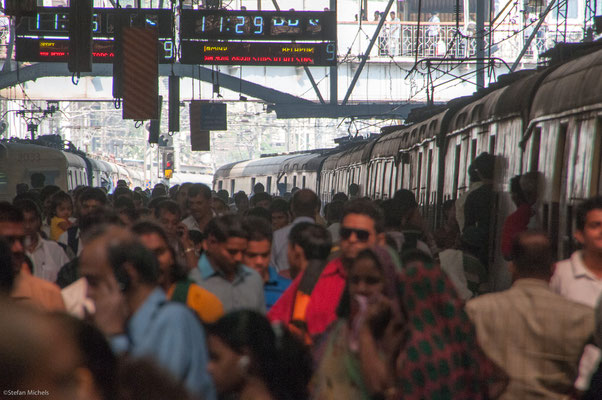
column 579, row 278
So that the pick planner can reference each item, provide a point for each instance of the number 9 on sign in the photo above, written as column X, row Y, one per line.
column 331, row 51
column 168, row 49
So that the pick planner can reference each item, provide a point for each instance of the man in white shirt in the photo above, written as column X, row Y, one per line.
column 199, row 206
column 46, row 256
column 395, row 34
column 579, row 278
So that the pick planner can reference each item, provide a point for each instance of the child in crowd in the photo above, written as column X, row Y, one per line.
column 61, row 210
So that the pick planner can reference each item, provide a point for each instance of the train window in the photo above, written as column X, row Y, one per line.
column 419, row 177
column 295, row 181
column 386, row 178
column 535, row 144
column 232, row 186
column 286, row 183
column 220, row 185
column 456, row 171
column 303, row 184
column 597, row 160
column 253, row 180
column 491, row 144
column 429, row 162
column 473, row 150
column 269, row 185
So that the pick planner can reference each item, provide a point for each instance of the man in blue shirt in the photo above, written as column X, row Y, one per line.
column 257, row 256
column 134, row 312
column 220, row 269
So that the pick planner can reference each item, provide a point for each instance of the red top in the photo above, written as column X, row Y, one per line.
column 516, row 223
column 324, row 299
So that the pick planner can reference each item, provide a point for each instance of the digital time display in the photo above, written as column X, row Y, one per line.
column 258, row 25
column 258, row 53
column 54, row 21
column 57, row 50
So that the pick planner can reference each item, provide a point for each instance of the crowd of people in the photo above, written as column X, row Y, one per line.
column 188, row 293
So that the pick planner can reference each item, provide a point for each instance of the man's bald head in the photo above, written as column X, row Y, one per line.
column 305, row 203
column 532, row 255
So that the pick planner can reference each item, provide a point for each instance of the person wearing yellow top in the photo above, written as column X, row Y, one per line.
column 172, row 278
column 61, row 209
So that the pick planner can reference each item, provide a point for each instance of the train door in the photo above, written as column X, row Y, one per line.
column 386, row 179
column 232, row 186
column 268, row 186
column 456, row 171
column 556, row 162
column 418, row 183
column 253, row 180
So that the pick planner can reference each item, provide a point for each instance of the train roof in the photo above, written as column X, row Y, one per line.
column 303, row 162
column 224, row 170
column 578, row 82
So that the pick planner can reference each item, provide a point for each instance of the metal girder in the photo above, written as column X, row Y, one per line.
column 313, row 84
column 561, row 20
column 368, row 50
column 542, row 18
column 285, row 105
column 372, row 110
column 589, row 14
column 40, row 70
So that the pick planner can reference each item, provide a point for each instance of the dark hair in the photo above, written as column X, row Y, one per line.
column 226, row 226
column 30, row 207
column 258, row 188
column 141, row 378
column 147, row 227
column 392, row 214
column 340, row 196
column 354, row 189
column 314, row 239
column 134, row 253
column 199, row 189
column 240, row 195
column 484, row 165
column 406, row 201
column 158, row 191
column 367, row 208
column 96, row 353
column 259, row 229
column 196, row 236
column 594, row 203
column 532, row 254
column 259, row 212
column 278, row 358
column 516, row 189
column 122, row 191
column 48, row 191
column 37, row 180
column 279, row 205
column 93, row 194
column 123, row 202
column 167, row 205
column 57, row 199
column 261, row 196
column 173, row 191
column 334, row 211
column 223, row 195
column 7, row 273
column 97, row 217
column 10, row 213
column 305, row 203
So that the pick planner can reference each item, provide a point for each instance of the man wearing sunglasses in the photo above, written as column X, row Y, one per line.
column 361, row 227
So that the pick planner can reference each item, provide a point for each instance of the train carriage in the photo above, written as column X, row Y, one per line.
column 563, row 142
column 18, row 161
column 303, row 170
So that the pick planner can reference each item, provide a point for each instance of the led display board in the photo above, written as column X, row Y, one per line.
column 258, row 25
column 258, row 53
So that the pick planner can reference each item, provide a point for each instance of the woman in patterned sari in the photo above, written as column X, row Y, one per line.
column 370, row 283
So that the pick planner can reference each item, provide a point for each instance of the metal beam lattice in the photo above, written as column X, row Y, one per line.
column 588, row 15
column 562, row 9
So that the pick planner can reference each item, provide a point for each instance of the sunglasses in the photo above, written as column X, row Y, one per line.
column 360, row 234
